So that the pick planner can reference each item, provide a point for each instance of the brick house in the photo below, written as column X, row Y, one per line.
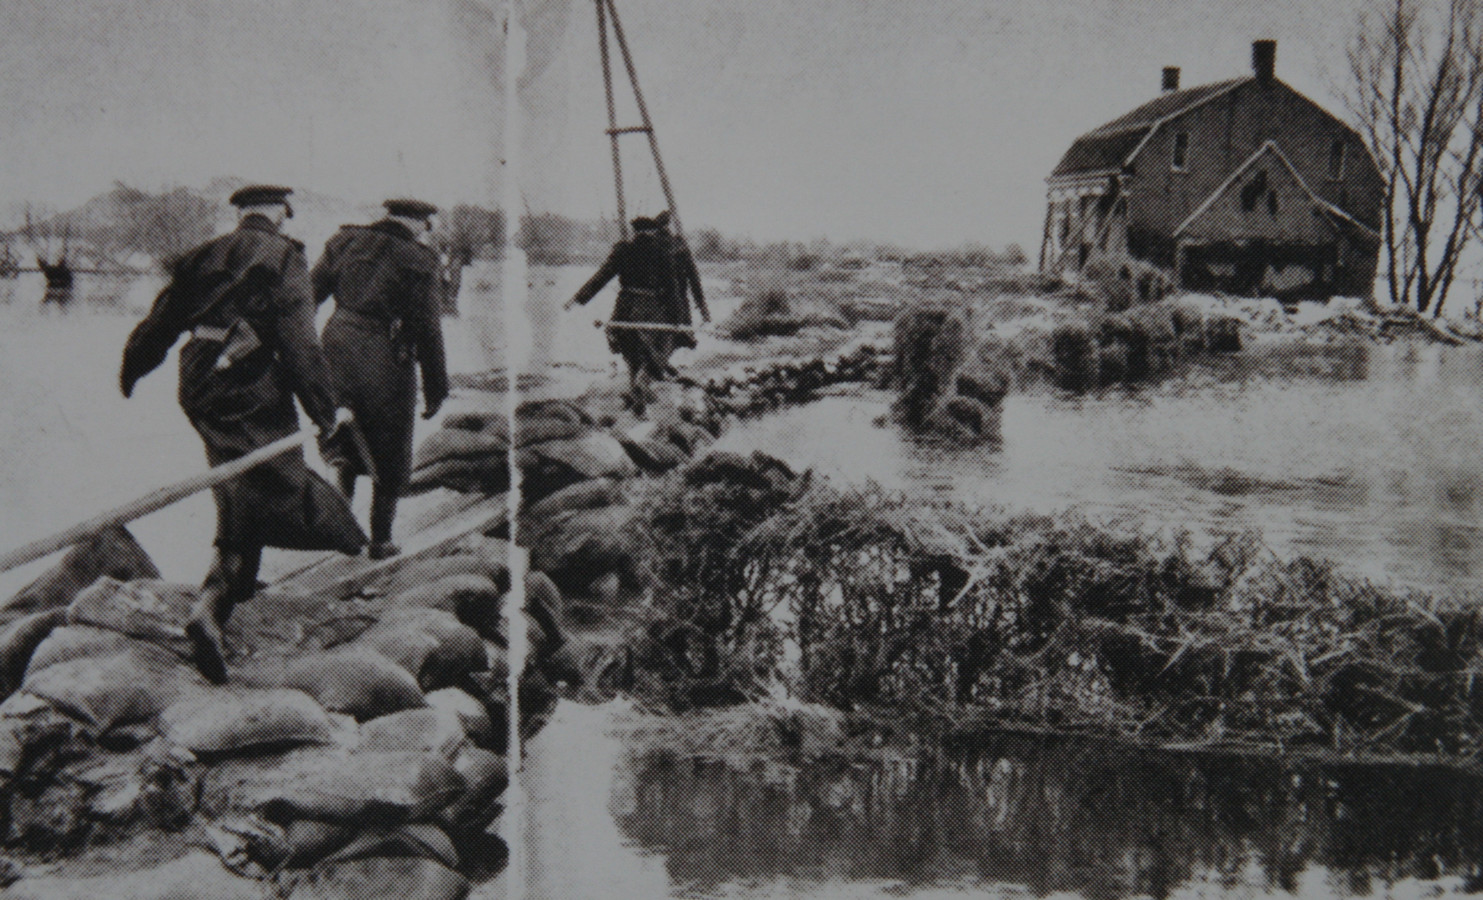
column 1244, row 186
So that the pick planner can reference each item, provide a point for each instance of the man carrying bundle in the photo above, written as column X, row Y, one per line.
column 244, row 299
column 650, row 292
column 386, row 324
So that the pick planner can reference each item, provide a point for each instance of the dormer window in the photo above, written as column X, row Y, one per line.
column 1181, row 151
column 1336, row 160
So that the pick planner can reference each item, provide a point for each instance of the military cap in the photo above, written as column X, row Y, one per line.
column 662, row 220
column 409, row 208
column 644, row 223
column 260, row 195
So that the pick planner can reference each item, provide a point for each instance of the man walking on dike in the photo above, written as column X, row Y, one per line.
column 687, row 285
column 386, row 324
column 244, row 299
column 650, row 293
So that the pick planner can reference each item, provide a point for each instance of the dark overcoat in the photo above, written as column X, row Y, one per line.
column 257, row 277
column 649, row 291
column 385, row 326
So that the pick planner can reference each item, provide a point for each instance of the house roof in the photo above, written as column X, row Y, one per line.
column 1112, row 145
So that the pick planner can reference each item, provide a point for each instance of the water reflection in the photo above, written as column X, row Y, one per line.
column 1057, row 815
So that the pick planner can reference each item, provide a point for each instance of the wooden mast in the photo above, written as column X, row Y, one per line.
column 613, row 132
column 607, row 9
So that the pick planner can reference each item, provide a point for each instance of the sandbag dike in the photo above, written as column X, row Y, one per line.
column 356, row 751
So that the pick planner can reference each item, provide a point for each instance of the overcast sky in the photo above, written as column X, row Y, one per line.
column 929, row 122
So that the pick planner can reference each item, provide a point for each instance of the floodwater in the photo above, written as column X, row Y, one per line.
column 1368, row 456
column 1013, row 817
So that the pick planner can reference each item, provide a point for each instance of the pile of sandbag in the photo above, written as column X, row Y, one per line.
column 368, row 762
column 557, row 443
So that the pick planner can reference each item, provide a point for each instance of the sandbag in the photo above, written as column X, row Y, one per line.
column 77, row 642
column 458, row 443
column 148, row 610
column 489, row 475
column 196, row 876
column 552, row 408
column 654, row 457
column 421, row 730
column 308, row 841
column 426, row 571
column 112, row 552
column 546, row 611
column 592, row 494
column 595, row 454
column 12, row 747
column 355, row 679
column 361, row 788
column 537, row 431
column 417, row 839
column 473, row 599
column 19, row 640
column 465, row 709
column 380, row 877
column 582, row 547
column 431, row 644
column 485, row 779
column 237, row 720
column 132, row 686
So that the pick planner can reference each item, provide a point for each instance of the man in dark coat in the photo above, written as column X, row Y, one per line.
column 687, row 282
column 649, row 293
column 244, row 299
column 386, row 324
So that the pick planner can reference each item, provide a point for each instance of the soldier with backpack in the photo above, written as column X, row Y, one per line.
column 244, row 300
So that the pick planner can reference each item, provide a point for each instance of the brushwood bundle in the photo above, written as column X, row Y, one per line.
column 978, row 620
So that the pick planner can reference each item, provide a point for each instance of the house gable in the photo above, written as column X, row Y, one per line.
column 1264, row 199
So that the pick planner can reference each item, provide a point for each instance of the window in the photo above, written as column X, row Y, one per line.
column 1336, row 160
column 1181, row 150
column 1253, row 191
column 1272, row 202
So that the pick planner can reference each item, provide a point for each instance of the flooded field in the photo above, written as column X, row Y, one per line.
column 1364, row 455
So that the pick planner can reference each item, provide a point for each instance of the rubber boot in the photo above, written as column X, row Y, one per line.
column 383, row 512
column 232, row 579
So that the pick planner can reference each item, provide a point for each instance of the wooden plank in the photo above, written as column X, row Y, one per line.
column 340, row 576
column 154, row 500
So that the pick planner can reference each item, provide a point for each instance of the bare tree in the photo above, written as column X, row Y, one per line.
column 1417, row 97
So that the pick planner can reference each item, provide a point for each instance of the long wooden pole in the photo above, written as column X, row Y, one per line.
column 638, row 97
column 614, row 132
column 157, row 499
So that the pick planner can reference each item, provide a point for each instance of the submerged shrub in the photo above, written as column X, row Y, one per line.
column 862, row 599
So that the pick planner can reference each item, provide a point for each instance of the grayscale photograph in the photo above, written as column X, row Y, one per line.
column 700, row 449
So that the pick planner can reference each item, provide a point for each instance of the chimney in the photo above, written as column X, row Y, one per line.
column 1264, row 60
column 1171, row 78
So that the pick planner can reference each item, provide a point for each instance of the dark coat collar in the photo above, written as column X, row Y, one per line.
column 258, row 222
column 394, row 228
